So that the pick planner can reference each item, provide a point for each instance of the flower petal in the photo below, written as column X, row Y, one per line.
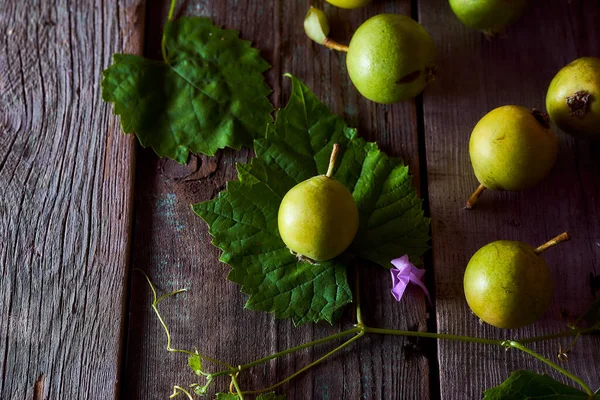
column 402, row 262
column 403, row 273
column 399, row 284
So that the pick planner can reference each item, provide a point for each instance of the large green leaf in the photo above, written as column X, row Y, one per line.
column 243, row 218
column 210, row 93
column 525, row 385
column 227, row 396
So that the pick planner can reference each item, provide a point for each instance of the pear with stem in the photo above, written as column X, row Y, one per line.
column 390, row 57
column 511, row 148
column 508, row 284
column 318, row 217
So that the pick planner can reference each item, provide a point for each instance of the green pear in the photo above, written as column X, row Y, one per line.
column 511, row 148
column 390, row 58
column 488, row 16
column 508, row 284
column 349, row 3
column 318, row 217
column 573, row 99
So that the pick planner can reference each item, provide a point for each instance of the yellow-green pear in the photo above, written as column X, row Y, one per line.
column 573, row 98
column 391, row 58
column 511, row 148
column 318, row 217
column 508, row 284
column 488, row 16
column 349, row 3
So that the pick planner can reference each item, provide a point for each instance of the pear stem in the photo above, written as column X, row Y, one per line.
column 563, row 237
column 332, row 44
column 332, row 159
column 474, row 197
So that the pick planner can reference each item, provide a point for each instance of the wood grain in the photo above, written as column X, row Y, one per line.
column 66, row 185
column 477, row 75
column 66, row 175
column 173, row 245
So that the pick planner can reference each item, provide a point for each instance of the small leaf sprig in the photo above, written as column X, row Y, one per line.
column 519, row 385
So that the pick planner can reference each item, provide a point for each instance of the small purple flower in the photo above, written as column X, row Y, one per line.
column 403, row 273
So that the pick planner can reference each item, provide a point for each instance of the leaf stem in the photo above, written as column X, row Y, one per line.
column 332, row 44
column 563, row 354
column 504, row 343
column 156, row 300
column 359, row 328
column 177, row 390
column 359, row 319
column 164, row 296
column 430, row 335
column 288, row 351
column 309, row 366
column 569, row 333
column 163, row 43
column 517, row 345
column 237, row 387
column 563, row 237
column 171, row 10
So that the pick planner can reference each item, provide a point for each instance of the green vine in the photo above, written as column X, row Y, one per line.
column 358, row 331
column 579, row 381
column 177, row 390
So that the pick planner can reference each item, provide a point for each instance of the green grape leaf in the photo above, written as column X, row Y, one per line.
column 195, row 363
column 525, row 385
column 209, row 94
column 243, row 218
column 227, row 396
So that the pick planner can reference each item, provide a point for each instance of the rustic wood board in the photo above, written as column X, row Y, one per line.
column 66, row 175
column 66, row 190
column 477, row 75
column 173, row 245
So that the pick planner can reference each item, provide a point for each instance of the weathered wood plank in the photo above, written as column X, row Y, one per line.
column 477, row 75
column 173, row 245
column 66, row 187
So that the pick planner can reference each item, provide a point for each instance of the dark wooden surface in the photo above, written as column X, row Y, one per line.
column 173, row 245
column 66, row 211
column 66, row 191
column 477, row 75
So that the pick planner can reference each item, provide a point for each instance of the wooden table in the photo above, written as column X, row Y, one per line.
column 79, row 209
